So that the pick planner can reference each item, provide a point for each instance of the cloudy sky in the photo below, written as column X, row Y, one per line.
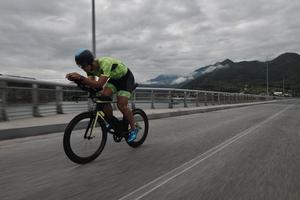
column 38, row 38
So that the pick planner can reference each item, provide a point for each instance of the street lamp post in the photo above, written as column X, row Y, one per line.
column 283, row 86
column 267, row 77
column 93, row 28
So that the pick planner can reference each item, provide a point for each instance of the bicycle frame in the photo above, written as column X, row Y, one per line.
column 92, row 124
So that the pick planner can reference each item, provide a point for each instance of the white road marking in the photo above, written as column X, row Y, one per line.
column 158, row 182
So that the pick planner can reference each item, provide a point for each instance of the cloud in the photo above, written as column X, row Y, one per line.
column 38, row 39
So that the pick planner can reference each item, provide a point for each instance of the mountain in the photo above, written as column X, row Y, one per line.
column 244, row 76
column 210, row 68
column 250, row 76
column 178, row 81
column 162, row 80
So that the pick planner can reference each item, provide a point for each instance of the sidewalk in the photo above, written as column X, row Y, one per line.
column 57, row 123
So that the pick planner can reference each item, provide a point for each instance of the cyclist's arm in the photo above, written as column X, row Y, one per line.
column 91, row 77
column 106, row 66
column 95, row 84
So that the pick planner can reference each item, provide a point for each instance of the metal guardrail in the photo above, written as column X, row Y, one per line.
column 20, row 97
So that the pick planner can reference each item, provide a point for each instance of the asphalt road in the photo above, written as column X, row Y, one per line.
column 243, row 153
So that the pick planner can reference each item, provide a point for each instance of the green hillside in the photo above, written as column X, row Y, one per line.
column 250, row 76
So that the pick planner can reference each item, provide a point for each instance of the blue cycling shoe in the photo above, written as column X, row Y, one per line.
column 132, row 135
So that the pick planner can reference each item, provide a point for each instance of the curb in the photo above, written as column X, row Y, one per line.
column 201, row 110
column 55, row 128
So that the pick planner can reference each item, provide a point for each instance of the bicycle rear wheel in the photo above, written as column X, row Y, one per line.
column 142, row 123
column 79, row 145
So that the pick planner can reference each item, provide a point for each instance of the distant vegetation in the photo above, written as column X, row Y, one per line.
column 250, row 76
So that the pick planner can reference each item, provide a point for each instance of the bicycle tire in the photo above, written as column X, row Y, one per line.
column 71, row 154
column 137, row 143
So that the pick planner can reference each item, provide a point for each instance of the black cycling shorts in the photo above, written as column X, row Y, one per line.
column 123, row 86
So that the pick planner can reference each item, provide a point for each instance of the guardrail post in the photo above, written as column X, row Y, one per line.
column 133, row 100
column 170, row 100
column 213, row 99
column 205, row 98
column 3, row 95
column 197, row 99
column 152, row 99
column 228, row 98
column 184, row 100
column 35, row 101
column 59, row 99
column 90, row 104
column 219, row 102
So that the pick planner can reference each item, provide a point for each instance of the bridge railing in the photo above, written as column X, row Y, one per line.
column 20, row 97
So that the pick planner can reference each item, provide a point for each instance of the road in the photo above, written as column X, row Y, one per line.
column 243, row 153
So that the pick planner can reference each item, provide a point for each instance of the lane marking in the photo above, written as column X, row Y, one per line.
column 158, row 182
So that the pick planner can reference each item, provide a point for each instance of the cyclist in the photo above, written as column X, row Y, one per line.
column 113, row 76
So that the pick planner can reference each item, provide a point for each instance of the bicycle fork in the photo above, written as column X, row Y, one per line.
column 89, row 132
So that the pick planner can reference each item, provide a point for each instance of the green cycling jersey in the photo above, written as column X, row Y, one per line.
column 109, row 67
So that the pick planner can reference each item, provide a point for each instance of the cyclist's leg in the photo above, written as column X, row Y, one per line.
column 126, row 86
column 108, row 91
column 122, row 102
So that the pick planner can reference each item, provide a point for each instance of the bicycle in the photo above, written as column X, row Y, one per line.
column 91, row 129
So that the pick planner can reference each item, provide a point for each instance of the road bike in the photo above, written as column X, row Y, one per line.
column 86, row 134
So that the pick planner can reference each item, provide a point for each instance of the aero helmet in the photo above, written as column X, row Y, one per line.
column 84, row 57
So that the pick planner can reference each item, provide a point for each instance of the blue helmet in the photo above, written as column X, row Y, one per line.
column 84, row 57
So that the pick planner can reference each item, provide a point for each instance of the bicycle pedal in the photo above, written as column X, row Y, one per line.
column 117, row 139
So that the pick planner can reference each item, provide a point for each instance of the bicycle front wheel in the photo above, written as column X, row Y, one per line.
column 84, row 138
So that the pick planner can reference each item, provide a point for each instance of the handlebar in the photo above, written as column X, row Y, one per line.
column 92, row 91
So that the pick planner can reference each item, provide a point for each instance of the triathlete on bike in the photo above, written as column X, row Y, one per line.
column 113, row 76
